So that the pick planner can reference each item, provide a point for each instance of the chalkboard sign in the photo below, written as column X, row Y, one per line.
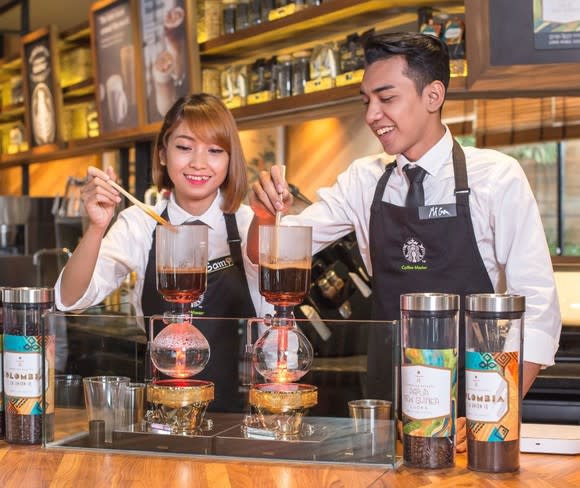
column 43, row 96
column 113, row 35
column 166, row 60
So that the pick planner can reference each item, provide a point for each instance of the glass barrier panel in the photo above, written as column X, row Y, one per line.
column 300, row 390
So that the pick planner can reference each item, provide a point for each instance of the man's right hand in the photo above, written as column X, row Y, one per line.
column 100, row 198
column 270, row 194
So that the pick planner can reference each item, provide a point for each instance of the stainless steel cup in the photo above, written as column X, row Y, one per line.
column 69, row 390
column 372, row 417
column 132, row 406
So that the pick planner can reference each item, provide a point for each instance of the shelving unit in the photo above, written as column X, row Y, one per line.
column 331, row 21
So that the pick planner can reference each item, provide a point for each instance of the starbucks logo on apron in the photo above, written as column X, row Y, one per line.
column 413, row 250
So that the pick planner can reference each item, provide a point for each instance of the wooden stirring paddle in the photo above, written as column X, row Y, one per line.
column 141, row 205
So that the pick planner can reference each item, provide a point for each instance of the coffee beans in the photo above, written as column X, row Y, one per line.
column 493, row 457
column 428, row 452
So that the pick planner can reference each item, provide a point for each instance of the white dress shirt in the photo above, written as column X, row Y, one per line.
column 506, row 221
column 126, row 248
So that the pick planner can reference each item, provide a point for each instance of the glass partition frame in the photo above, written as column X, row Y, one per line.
column 116, row 344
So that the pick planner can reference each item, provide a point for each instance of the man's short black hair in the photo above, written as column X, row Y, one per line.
column 427, row 56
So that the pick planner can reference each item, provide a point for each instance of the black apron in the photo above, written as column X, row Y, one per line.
column 444, row 245
column 227, row 295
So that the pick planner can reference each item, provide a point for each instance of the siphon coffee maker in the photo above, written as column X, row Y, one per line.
column 282, row 354
column 179, row 350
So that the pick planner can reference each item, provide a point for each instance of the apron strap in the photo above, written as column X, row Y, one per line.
column 382, row 183
column 462, row 190
column 235, row 243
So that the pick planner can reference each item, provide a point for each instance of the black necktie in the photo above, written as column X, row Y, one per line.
column 416, row 195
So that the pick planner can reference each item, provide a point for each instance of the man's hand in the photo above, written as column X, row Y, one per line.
column 270, row 194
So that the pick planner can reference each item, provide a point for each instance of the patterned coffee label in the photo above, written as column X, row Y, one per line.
column 429, row 392
column 23, row 372
column 491, row 396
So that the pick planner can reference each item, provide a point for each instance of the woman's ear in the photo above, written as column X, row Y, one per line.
column 435, row 96
column 162, row 157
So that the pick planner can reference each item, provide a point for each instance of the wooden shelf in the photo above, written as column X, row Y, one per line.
column 11, row 112
column 12, row 63
column 79, row 91
column 311, row 24
column 334, row 102
column 75, row 148
column 79, row 34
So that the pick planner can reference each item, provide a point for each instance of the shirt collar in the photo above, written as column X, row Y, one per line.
column 178, row 216
column 434, row 159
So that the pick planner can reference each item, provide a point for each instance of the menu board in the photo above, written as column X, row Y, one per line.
column 165, row 54
column 548, row 40
column 556, row 24
column 115, row 65
column 43, row 95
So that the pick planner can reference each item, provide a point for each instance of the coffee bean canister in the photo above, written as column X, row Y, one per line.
column 29, row 358
column 494, row 325
column 2, row 418
column 429, row 362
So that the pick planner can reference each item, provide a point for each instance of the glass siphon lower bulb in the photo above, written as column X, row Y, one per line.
column 180, row 350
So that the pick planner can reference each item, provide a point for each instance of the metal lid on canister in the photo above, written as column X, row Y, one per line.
column 429, row 302
column 495, row 303
column 27, row 295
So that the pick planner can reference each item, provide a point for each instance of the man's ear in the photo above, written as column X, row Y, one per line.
column 434, row 94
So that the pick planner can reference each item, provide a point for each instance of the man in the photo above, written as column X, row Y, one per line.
column 468, row 224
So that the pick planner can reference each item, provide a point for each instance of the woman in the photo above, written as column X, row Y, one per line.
column 199, row 159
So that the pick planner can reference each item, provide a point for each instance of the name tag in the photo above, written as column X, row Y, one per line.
column 219, row 264
column 431, row 212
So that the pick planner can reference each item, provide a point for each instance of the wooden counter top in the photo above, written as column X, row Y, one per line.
column 33, row 467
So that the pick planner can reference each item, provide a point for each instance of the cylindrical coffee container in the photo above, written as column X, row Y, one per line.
column 2, row 419
column 430, row 334
column 29, row 358
column 493, row 380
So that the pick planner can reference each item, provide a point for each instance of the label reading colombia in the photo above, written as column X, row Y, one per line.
column 492, row 396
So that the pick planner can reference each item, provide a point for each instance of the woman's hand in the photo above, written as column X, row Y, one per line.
column 100, row 198
column 270, row 194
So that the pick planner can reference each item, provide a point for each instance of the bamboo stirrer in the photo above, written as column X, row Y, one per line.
column 141, row 205
column 282, row 363
column 276, row 238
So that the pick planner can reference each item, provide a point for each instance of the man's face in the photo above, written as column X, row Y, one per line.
column 400, row 117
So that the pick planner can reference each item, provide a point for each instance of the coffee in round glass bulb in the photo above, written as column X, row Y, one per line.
column 283, row 354
column 180, row 350
column 285, row 262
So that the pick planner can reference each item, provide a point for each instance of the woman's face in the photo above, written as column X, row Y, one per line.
column 197, row 169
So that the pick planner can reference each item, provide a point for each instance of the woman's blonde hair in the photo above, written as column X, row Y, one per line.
column 211, row 122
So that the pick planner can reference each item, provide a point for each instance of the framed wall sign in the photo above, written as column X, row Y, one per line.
column 42, row 93
column 167, row 57
column 114, row 35
column 509, row 42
